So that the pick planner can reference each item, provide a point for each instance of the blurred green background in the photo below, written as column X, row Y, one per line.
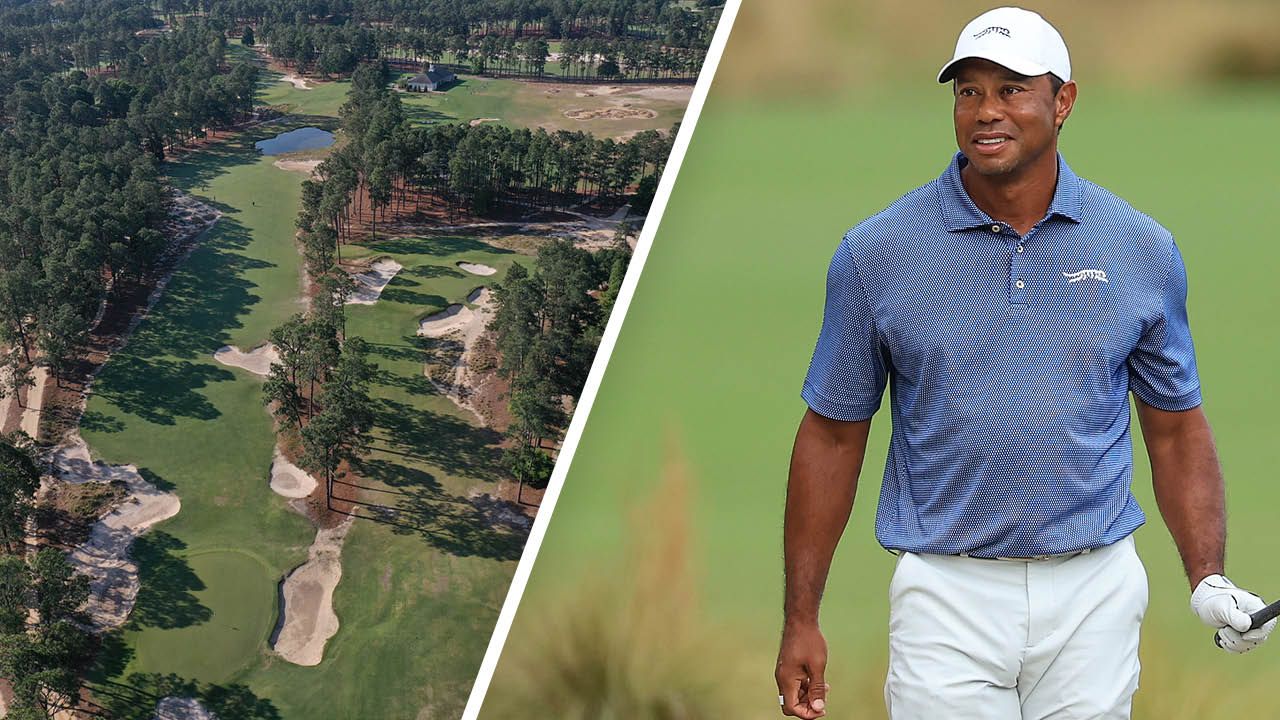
column 657, row 592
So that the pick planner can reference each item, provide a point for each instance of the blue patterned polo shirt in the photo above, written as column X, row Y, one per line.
column 1009, row 361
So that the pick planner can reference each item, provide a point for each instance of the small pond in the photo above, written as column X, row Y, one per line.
column 307, row 138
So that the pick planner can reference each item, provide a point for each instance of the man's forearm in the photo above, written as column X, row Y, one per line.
column 823, row 480
column 1189, row 489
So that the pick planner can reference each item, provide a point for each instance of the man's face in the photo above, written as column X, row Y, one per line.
column 1006, row 121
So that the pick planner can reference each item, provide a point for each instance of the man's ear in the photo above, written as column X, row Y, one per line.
column 1064, row 102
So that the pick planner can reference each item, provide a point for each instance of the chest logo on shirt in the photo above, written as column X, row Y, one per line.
column 1086, row 274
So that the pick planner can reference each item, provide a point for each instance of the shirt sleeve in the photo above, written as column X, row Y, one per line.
column 1162, row 368
column 847, row 374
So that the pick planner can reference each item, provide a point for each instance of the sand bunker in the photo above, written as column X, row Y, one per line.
column 180, row 708
column 600, row 90
column 456, row 317
column 477, row 268
column 257, row 361
column 477, row 121
column 302, row 166
column 451, row 319
column 370, row 282
column 296, row 81
column 288, row 479
column 113, row 576
column 307, row 620
column 613, row 113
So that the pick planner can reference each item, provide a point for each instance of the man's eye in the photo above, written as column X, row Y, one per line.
column 1011, row 90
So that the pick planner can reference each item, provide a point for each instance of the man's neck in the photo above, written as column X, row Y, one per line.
column 1020, row 200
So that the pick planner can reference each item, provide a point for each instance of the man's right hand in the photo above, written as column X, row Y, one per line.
column 801, row 671
column 1220, row 604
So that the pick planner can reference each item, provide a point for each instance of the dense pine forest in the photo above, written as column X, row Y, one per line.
column 82, row 198
column 617, row 39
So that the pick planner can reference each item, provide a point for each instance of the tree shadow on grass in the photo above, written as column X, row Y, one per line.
column 160, row 375
column 399, row 476
column 436, row 246
column 94, row 421
column 113, row 656
column 480, row 526
column 446, row 441
column 205, row 299
column 398, row 291
column 166, row 597
column 412, row 384
column 472, row 526
column 436, row 271
column 412, row 501
column 410, row 351
column 137, row 697
column 160, row 483
column 425, row 115
column 159, row 390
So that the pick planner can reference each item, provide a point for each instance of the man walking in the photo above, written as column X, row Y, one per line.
column 1010, row 306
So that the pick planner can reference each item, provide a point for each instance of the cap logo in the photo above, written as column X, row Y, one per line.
column 992, row 29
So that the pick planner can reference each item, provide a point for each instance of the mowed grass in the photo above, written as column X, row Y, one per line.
column 199, row 428
column 324, row 98
column 418, row 599
column 235, row 626
column 719, row 336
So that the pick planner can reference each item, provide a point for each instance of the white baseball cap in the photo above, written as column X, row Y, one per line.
column 1018, row 39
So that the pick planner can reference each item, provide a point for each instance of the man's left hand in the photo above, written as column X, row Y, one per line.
column 1220, row 604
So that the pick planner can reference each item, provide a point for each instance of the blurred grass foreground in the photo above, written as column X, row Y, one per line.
column 630, row 641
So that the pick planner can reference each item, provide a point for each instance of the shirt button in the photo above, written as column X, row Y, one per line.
column 1020, row 284
column 1019, row 248
column 995, row 228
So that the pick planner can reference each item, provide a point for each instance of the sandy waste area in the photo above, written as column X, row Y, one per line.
column 296, row 81
column 469, row 324
column 370, row 282
column 477, row 268
column 289, row 480
column 307, row 617
column 104, row 557
column 257, row 361
column 302, row 166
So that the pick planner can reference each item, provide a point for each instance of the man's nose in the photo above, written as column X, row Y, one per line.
column 990, row 108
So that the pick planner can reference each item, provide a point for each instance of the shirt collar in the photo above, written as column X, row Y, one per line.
column 960, row 213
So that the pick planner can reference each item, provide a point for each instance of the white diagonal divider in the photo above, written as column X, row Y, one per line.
column 592, row 386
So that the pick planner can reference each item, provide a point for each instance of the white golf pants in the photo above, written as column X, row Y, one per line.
column 1052, row 639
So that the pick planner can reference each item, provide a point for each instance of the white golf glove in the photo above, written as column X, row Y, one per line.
column 1220, row 604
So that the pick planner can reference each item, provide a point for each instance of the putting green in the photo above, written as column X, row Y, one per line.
column 236, row 592
column 718, row 338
